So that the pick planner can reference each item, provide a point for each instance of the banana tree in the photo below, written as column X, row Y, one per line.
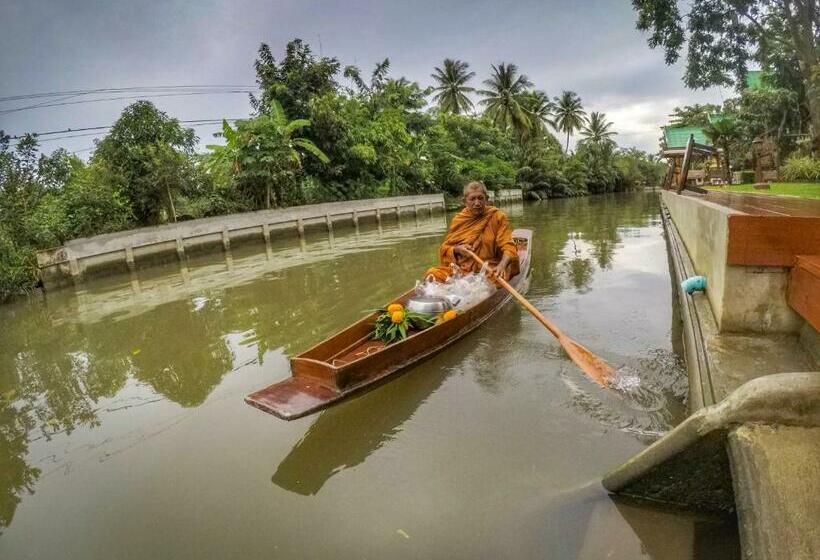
column 265, row 153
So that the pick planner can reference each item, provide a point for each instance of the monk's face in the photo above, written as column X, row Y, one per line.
column 475, row 201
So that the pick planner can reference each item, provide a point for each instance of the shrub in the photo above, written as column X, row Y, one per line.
column 747, row 177
column 18, row 266
column 801, row 169
column 93, row 203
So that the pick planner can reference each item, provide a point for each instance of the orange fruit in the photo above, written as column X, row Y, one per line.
column 450, row 314
column 397, row 316
column 393, row 307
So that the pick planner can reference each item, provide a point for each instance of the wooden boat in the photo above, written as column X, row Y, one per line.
column 351, row 361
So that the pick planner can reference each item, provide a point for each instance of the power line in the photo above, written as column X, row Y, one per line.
column 194, row 122
column 115, row 90
column 40, row 105
column 198, row 123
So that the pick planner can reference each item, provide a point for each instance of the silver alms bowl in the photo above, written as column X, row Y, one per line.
column 425, row 304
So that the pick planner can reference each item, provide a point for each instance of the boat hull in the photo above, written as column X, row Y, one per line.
column 349, row 361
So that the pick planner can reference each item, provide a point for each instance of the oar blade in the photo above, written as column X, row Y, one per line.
column 597, row 369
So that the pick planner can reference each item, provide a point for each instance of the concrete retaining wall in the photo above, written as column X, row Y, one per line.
column 743, row 298
column 506, row 195
column 125, row 250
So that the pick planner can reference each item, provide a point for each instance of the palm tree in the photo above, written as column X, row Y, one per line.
column 378, row 78
column 569, row 114
column 539, row 109
column 597, row 129
column 722, row 133
column 452, row 86
column 503, row 97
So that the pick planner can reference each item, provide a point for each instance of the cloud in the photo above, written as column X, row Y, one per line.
column 589, row 46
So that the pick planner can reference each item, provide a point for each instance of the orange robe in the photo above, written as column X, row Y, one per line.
column 490, row 237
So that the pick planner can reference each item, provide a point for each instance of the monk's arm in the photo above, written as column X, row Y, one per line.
column 504, row 240
column 446, row 252
column 505, row 244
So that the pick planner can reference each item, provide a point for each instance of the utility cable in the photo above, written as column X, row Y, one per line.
column 41, row 105
column 193, row 123
column 115, row 90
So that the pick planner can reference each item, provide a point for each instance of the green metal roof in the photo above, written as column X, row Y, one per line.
column 678, row 136
column 754, row 79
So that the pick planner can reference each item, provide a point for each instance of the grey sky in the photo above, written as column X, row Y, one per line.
column 589, row 46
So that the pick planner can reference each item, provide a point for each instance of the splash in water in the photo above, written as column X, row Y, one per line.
column 469, row 289
column 625, row 379
column 648, row 398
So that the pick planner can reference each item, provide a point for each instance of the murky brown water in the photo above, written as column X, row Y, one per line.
column 123, row 433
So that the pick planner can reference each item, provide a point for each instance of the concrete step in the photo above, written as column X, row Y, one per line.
column 756, row 451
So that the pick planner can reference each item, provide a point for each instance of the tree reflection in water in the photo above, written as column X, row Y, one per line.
column 62, row 355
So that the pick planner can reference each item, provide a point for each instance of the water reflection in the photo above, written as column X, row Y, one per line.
column 175, row 333
column 170, row 329
column 577, row 236
column 344, row 436
column 666, row 534
column 17, row 477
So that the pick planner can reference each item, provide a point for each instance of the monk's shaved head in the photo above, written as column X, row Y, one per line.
column 475, row 197
column 475, row 185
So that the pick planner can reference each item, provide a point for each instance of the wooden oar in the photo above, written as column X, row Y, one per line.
column 592, row 365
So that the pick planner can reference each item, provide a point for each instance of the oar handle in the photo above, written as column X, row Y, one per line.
column 529, row 307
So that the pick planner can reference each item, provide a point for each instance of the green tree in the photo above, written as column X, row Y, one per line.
column 55, row 170
column 723, row 36
column 598, row 159
column 767, row 111
column 597, row 129
column 149, row 153
column 270, row 156
column 294, row 81
column 503, row 98
column 639, row 168
column 452, row 89
column 20, row 191
column 88, row 204
column 378, row 78
column 463, row 148
column 223, row 160
column 375, row 136
column 540, row 110
column 723, row 132
column 569, row 113
column 693, row 115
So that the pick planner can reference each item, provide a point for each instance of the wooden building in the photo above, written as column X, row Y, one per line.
column 693, row 162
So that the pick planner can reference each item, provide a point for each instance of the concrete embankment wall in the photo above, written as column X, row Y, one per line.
column 751, row 442
column 743, row 298
column 127, row 250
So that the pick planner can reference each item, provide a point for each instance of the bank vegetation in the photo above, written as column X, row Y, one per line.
column 318, row 132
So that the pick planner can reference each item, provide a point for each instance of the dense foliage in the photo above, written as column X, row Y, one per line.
column 801, row 170
column 725, row 36
column 318, row 133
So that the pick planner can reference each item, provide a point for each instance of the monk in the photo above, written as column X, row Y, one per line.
column 482, row 229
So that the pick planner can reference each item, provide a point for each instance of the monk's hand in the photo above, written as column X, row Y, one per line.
column 495, row 273
column 499, row 271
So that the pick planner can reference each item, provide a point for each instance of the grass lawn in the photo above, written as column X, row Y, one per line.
column 802, row 190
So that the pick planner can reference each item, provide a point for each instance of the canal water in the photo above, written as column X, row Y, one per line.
column 123, row 431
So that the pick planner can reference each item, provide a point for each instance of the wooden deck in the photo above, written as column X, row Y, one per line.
column 766, row 204
column 767, row 230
